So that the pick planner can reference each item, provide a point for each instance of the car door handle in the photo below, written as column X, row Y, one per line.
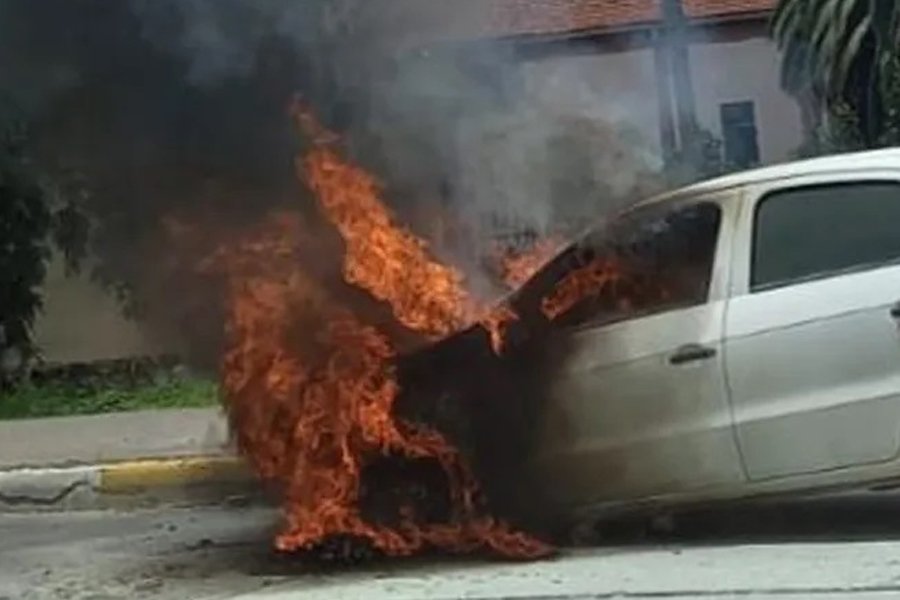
column 690, row 353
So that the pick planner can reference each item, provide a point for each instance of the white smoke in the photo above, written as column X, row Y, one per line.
column 455, row 127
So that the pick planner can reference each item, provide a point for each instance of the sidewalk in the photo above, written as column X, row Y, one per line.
column 120, row 460
column 112, row 437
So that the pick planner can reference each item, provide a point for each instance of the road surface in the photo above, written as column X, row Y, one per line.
column 849, row 550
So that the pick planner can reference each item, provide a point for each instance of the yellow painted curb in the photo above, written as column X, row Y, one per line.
column 126, row 477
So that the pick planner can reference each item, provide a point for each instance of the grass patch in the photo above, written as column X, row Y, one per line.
column 56, row 400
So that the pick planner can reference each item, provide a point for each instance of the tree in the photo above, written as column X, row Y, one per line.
column 163, row 115
column 838, row 52
column 24, row 229
column 31, row 217
column 841, row 131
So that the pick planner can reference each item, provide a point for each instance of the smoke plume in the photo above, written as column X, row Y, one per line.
column 170, row 109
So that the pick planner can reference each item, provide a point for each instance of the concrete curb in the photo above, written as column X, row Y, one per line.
column 189, row 481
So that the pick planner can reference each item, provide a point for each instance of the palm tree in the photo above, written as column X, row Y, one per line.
column 838, row 50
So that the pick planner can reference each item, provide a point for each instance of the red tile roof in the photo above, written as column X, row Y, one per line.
column 727, row 8
column 422, row 22
column 512, row 17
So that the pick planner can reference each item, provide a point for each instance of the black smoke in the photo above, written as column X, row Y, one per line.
column 160, row 108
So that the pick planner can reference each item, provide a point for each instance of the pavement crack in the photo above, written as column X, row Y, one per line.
column 27, row 499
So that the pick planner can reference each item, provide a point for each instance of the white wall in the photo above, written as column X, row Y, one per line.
column 80, row 322
column 622, row 86
column 747, row 70
column 615, row 86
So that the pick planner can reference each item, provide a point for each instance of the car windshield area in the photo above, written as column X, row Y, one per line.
column 647, row 261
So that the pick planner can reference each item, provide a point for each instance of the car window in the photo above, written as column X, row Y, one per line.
column 644, row 264
column 814, row 232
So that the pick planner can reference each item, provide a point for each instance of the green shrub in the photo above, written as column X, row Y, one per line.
column 57, row 399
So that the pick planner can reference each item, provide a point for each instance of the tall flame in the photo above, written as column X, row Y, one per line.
column 310, row 387
column 382, row 258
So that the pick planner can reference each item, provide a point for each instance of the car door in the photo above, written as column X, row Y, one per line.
column 636, row 401
column 812, row 342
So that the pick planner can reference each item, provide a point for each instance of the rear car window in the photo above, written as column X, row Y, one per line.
column 815, row 232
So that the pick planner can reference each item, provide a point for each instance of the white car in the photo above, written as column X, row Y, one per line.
column 767, row 360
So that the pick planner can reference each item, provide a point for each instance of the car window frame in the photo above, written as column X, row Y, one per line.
column 752, row 194
column 822, row 275
column 727, row 213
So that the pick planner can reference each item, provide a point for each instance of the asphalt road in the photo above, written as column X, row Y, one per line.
column 824, row 551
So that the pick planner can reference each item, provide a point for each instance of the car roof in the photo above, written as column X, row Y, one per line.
column 853, row 161
column 836, row 163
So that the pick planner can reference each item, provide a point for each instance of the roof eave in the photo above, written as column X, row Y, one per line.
column 630, row 28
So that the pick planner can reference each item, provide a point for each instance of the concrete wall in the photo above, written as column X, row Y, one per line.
column 80, row 322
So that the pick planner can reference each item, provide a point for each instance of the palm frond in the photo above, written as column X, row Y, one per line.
column 822, row 39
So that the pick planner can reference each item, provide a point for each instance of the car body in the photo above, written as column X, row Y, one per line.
column 782, row 375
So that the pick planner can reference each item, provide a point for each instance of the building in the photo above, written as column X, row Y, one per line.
column 652, row 71
column 626, row 54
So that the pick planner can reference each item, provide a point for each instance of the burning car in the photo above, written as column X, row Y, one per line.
column 734, row 339
column 728, row 340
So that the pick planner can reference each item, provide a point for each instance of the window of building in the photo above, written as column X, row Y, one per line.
column 646, row 264
column 814, row 232
column 739, row 133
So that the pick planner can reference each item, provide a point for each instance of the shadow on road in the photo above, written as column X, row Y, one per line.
column 873, row 516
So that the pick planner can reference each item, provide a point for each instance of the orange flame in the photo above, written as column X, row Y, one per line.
column 310, row 388
column 382, row 258
column 496, row 324
column 588, row 280
column 518, row 267
column 624, row 286
column 390, row 262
